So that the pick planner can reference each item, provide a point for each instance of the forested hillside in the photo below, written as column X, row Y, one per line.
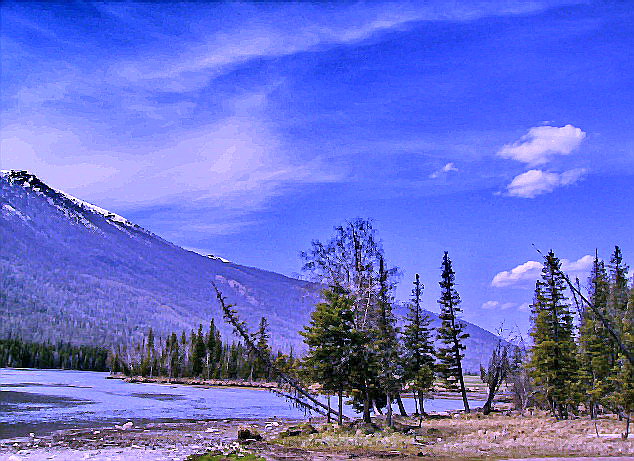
column 73, row 272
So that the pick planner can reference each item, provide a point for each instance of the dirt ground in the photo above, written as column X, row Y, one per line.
column 460, row 437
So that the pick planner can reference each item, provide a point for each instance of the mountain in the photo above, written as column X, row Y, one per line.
column 72, row 271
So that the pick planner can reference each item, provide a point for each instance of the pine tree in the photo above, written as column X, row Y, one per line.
column 619, row 291
column 334, row 344
column 386, row 342
column 350, row 261
column 597, row 349
column 174, row 357
column 418, row 350
column 198, row 352
column 150, row 351
column 262, row 344
column 553, row 356
column 621, row 397
column 210, row 343
column 451, row 333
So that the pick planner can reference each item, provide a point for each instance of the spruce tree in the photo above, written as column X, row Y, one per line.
column 418, row 347
column 263, row 345
column 554, row 367
column 619, row 290
column 451, row 333
column 334, row 344
column 210, row 343
column 621, row 397
column 350, row 261
column 198, row 352
column 386, row 344
column 597, row 350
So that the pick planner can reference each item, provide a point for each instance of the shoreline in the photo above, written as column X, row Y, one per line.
column 460, row 437
column 437, row 393
column 235, row 383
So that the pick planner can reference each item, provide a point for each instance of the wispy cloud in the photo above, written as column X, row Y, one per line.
column 541, row 143
column 524, row 307
column 536, row 182
column 525, row 274
column 238, row 161
column 491, row 305
column 445, row 169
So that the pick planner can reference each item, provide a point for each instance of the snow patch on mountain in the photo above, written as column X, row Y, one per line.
column 54, row 196
column 8, row 210
column 218, row 258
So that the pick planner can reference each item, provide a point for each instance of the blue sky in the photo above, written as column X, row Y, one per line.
column 247, row 130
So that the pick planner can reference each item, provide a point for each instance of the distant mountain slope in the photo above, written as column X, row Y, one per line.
column 75, row 272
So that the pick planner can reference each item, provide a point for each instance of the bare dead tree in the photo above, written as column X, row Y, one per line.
column 297, row 394
column 496, row 373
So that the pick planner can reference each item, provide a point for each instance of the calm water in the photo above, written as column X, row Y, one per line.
column 43, row 400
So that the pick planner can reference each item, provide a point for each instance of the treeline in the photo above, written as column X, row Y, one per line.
column 576, row 364
column 20, row 354
column 201, row 354
column 355, row 348
column 580, row 362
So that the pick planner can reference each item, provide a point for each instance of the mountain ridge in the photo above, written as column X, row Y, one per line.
column 73, row 271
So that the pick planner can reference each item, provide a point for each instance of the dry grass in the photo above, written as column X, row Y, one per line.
column 479, row 437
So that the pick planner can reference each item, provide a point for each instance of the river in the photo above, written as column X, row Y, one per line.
column 41, row 401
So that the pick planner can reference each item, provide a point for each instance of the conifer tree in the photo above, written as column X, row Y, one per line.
column 619, row 290
column 150, row 351
column 596, row 346
column 418, row 350
column 553, row 356
column 198, row 352
column 451, row 333
column 350, row 261
column 386, row 343
column 334, row 344
column 174, row 357
column 621, row 397
column 263, row 345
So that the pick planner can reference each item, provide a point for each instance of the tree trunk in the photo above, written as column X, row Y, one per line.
column 241, row 330
column 463, row 389
column 366, row 407
column 401, row 407
column 388, row 419
column 377, row 410
column 488, row 405
column 328, row 416
column 416, row 413
column 340, row 415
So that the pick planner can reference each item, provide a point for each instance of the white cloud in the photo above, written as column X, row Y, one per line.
column 542, row 142
column 527, row 273
column 524, row 307
column 445, row 169
column 581, row 265
column 535, row 182
column 490, row 305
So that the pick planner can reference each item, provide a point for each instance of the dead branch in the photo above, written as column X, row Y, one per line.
column 241, row 330
column 605, row 321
